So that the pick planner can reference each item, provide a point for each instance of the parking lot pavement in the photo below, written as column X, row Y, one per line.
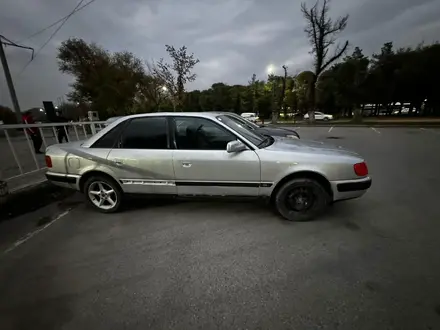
column 370, row 263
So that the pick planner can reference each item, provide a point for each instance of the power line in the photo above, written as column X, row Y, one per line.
column 51, row 36
column 59, row 21
column 11, row 43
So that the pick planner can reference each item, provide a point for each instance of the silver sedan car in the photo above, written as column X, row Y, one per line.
column 206, row 154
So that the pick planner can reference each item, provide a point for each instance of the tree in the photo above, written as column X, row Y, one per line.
column 303, row 87
column 7, row 116
column 174, row 76
column 253, row 86
column 282, row 96
column 108, row 81
column 322, row 31
column 71, row 111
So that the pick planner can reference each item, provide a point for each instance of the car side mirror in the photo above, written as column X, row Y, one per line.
column 235, row 146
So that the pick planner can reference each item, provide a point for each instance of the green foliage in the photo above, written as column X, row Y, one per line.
column 7, row 115
column 174, row 76
column 72, row 111
column 108, row 81
column 117, row 84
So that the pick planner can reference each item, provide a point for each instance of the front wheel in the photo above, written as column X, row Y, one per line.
column 301, row 199
column 326, row 119
column 103, row 194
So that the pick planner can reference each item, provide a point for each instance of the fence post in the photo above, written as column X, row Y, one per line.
column 93, row 128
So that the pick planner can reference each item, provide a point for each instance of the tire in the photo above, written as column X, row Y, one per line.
column 100, row 199
column 311, row 199
column 325, row 118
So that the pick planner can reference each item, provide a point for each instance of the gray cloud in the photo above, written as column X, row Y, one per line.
column 232, row 38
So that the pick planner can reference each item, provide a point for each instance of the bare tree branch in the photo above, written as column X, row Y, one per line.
column 322, row 33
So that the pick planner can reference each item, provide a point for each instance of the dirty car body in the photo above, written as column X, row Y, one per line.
column 206, row 154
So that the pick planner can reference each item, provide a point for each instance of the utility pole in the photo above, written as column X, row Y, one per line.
column 8, row 73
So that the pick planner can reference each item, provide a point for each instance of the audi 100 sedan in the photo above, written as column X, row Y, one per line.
column 206, row 154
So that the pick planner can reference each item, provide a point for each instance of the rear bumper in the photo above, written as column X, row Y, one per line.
column 64, row 180
column 349, row 189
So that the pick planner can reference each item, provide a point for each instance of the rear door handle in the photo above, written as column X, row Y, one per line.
column 118, row 162
column 186, row 164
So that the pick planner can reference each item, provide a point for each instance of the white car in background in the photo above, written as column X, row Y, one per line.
column 319, row 116
column 251, row 116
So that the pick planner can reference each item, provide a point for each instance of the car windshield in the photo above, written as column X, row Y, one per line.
column 242, row 129
column 242, row 121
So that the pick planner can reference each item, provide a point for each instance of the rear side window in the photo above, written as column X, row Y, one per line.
column 145, row 133
column 110, row 139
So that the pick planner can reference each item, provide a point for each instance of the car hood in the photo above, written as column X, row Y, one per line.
column 308, row 146
column 275, row 130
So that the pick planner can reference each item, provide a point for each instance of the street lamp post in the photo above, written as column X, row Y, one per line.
column 270, row 73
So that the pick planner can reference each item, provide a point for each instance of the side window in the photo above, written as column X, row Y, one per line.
column 109, row 140
column 200, row 134
column 145, row 133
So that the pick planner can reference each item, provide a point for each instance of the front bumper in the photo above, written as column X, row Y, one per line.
column 348, row 189
column 64, row 180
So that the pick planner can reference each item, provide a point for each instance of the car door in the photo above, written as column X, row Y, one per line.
column 143, row 158
column 203, row 167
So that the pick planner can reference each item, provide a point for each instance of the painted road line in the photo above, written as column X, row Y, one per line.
column 330, row 129
column 28, row 236
column 429, row 130
column 376, row 130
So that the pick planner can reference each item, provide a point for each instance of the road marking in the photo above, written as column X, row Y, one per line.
column 330, row 129
column 376, row 130
column 28, row 236
column 429, row 130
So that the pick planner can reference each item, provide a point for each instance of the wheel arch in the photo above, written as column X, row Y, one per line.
column 318, row 177
column 92, row 173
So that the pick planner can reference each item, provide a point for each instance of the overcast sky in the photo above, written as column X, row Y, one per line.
column 232, row 38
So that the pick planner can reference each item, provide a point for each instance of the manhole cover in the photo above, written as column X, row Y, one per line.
column 334, row 137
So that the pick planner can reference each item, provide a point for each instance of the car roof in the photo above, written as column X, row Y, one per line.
column 211, row 114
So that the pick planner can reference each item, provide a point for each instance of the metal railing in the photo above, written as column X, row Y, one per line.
column 18, row 158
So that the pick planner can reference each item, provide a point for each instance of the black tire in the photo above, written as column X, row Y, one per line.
column 116, row 194
column 325, row 118
column 309, row 208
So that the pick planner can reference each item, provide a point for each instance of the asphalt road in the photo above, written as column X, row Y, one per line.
column 371, row 263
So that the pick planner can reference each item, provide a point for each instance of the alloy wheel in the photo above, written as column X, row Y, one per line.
column 102, row 195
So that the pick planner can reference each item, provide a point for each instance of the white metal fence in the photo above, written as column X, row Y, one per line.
column 18, row 160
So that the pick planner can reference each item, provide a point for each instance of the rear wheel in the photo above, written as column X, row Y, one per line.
column 103, row 194
column 301, row 199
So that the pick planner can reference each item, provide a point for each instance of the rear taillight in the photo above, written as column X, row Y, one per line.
column 48, row 161
column 361, row 169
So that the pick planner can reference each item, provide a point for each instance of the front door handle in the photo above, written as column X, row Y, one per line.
column 186, row 164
